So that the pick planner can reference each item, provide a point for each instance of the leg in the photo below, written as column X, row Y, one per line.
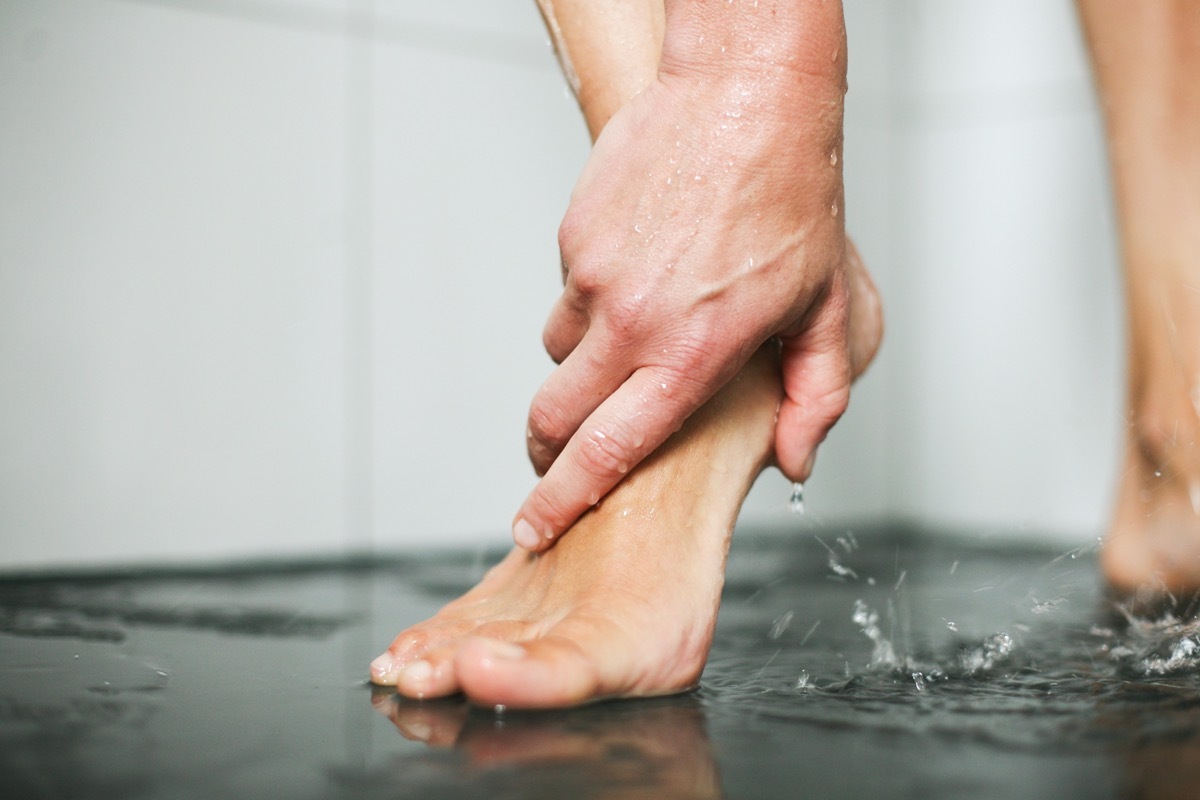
column 1147, row 59
column 625, row 604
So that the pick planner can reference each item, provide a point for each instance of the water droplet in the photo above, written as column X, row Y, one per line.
column 802, row 682
column 833, row 159
column 500, row 709
column 637, row 228
column 919, row 681
column 954, row 567
column 840, row 569
column 951, row 625
column 796, row 502
column 622, row 467
column 781, row 624
column 833, row 209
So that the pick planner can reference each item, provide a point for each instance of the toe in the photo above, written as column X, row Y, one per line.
column 431, row 672
column 431, row 675
column 542, row 673
column 412, row 645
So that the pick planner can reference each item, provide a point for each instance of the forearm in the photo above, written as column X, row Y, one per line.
column 609, row 50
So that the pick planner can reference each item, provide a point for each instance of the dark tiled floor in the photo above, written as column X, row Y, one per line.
column 1008, row 680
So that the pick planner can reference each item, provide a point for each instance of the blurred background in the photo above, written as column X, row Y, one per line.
column 273, row 275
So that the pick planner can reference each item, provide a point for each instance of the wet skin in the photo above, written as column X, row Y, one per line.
column 623, row 606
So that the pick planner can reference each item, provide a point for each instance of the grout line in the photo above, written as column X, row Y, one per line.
column 359, row 389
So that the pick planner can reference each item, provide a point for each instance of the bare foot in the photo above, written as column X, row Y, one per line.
column 1153, row 549
column 625, row 604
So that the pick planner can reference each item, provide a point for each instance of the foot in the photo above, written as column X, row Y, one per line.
column 625, row 604
column 1153, row 549
column 1152, row 552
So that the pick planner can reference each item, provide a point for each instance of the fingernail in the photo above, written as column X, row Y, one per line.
column 383, row 669
column 525, row 535
column 505, row 651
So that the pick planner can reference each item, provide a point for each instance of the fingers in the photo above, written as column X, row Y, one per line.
column 568, row 397
column 565, row 328
column 816, row 383
column 639, row 416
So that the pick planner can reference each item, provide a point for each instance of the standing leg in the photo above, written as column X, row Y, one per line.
column 1147, row 63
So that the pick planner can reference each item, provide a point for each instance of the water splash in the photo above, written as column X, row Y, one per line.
column 1155, row 647
column 994, row 650
column 796, row 503
column 883, row 654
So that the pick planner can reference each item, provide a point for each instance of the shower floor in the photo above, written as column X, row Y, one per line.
column 873, row 663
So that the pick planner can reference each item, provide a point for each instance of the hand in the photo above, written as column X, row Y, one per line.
column 707, row 220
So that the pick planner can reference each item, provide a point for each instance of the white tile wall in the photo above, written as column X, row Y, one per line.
column 273, row 274
column 171, row 265
column 1006, row 367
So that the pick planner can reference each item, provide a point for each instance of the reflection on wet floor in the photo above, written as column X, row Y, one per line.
column 846, row 664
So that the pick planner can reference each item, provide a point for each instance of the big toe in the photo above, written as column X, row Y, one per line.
column 542, row 673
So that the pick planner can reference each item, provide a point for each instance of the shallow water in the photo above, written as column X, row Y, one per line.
column 846, row 664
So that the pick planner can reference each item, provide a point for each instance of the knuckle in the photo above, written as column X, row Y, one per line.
column 623, row 318
column 553, row 340
column 551, row 508
column 570, row 231
column 546, row 426
column 829, row 406
column 607, row 453
column 586, row 277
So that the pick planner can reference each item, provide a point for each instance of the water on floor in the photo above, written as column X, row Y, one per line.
column 847, row 664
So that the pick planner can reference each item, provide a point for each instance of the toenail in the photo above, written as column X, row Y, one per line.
column 418, row 672
column 506, row 651
column 383, row 669
column 525, row 535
